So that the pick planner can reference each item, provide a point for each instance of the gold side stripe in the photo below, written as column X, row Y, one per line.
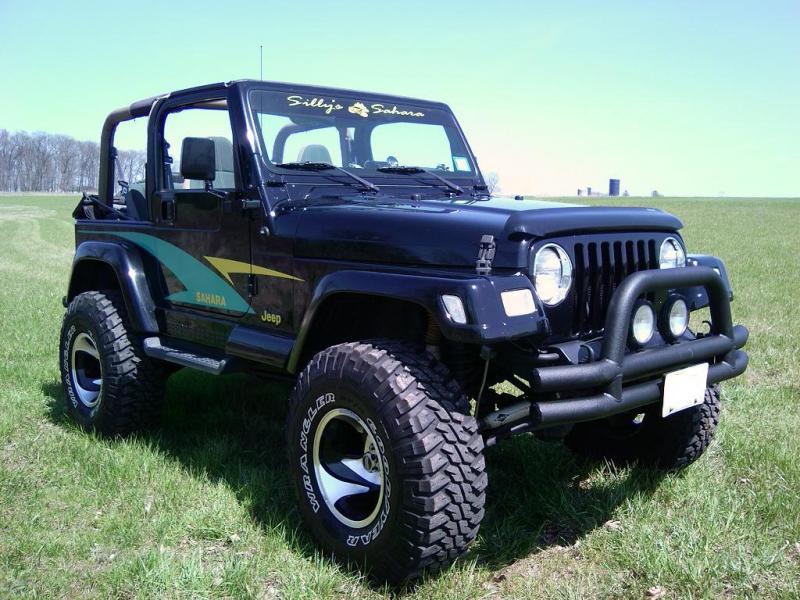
column 226, row 267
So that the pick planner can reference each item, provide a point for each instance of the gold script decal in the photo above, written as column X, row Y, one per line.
column 356, row 108
column 320, row 103
column 380, row 109
column 359, row 109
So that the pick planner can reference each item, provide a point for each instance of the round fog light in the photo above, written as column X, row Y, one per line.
column 643, row 323
column 674, row 318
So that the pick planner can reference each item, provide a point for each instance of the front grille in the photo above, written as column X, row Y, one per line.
column 599, row 269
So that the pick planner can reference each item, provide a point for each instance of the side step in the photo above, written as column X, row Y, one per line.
column 156, row 348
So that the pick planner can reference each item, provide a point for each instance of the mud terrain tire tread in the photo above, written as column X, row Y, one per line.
column 670, row 443
column 436, row 444
column 133, row 383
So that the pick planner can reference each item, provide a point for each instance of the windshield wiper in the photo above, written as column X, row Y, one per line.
column 323, row 166
column 415, row 170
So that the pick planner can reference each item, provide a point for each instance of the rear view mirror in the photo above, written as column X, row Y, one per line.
column 198, row 160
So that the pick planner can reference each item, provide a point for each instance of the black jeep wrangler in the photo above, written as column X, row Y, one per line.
column 348, row 241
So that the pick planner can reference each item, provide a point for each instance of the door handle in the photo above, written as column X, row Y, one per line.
column 168, row 210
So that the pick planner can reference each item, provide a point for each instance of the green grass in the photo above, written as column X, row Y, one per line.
column 203, row 508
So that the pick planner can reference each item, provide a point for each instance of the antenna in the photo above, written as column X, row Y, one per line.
column 261, row 62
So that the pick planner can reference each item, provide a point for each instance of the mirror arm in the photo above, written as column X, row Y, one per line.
column 213, row 192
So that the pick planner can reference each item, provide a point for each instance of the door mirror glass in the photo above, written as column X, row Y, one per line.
column 198, row 160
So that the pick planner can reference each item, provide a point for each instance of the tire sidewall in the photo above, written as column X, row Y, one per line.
column 79, row 321
column 360, row 544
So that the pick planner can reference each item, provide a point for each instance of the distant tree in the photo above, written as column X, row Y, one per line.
column 66, row 158
column 132, row 165
column 89, row 165
column 492, row 180
column 45, row 162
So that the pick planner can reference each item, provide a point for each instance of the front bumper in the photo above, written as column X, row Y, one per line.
column 618, row 382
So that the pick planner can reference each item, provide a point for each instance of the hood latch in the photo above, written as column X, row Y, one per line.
column 483, row 266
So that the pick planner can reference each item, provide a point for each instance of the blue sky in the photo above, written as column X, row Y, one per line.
column 689, row 98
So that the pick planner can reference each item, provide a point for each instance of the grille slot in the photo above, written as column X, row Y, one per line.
column 599, row 269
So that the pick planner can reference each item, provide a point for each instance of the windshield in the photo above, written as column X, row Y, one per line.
column 357, row 133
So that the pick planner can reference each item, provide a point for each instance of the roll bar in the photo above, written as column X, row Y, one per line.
column 105, row 184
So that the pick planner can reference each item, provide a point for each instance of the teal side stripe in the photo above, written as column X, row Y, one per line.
column 199, row 280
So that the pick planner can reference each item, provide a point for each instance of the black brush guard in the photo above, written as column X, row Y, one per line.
column 720, row 348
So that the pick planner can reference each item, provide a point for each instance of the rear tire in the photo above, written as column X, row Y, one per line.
column 110, row 385
column 671, row 443
column 423, row 487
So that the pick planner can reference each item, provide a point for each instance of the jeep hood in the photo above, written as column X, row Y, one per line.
column 447, row 232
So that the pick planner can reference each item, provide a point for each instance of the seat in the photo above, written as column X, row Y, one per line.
column 314, row 153
column 375, row 164
column 136, row 203
column 223, row 152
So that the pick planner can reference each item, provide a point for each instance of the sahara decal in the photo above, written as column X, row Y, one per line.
column 210, row 299
column 380, row 109
column 226, row 267
column 356, row 108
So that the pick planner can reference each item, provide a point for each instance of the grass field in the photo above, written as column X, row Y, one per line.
column 202, row 507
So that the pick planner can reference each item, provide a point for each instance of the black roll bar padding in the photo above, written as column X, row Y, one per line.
column 105, row 183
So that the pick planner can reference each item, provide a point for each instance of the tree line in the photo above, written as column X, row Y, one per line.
column 48, row 162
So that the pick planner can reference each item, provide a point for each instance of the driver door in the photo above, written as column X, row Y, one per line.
column 203, row 244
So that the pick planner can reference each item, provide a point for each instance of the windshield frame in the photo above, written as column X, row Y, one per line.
column 470, row 178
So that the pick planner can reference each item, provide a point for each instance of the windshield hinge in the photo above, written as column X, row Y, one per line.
column 483, row 266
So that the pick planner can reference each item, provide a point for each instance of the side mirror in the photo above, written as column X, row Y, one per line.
column 198, row 159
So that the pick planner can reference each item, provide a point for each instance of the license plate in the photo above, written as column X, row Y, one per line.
column 684, row 388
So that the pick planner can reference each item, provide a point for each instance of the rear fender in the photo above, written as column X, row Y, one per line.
column 126, row 263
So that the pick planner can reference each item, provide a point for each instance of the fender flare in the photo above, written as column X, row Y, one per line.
column 486, row 320
column 126, row 262
column 697, row 296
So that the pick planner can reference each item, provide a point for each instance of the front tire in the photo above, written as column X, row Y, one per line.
column 387, row 465
column 670, row 443
column 110, row 385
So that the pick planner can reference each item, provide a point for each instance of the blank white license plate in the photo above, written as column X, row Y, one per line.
column 684, row 388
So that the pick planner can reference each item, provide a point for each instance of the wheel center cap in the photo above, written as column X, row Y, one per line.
column 370, row 459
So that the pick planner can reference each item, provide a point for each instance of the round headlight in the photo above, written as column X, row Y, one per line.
column 671, row 254
column 552, row 274
column 674, row 318
column 643, row 323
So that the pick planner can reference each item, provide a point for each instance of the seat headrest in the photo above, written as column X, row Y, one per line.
column 223, row 152
column 314, row 153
